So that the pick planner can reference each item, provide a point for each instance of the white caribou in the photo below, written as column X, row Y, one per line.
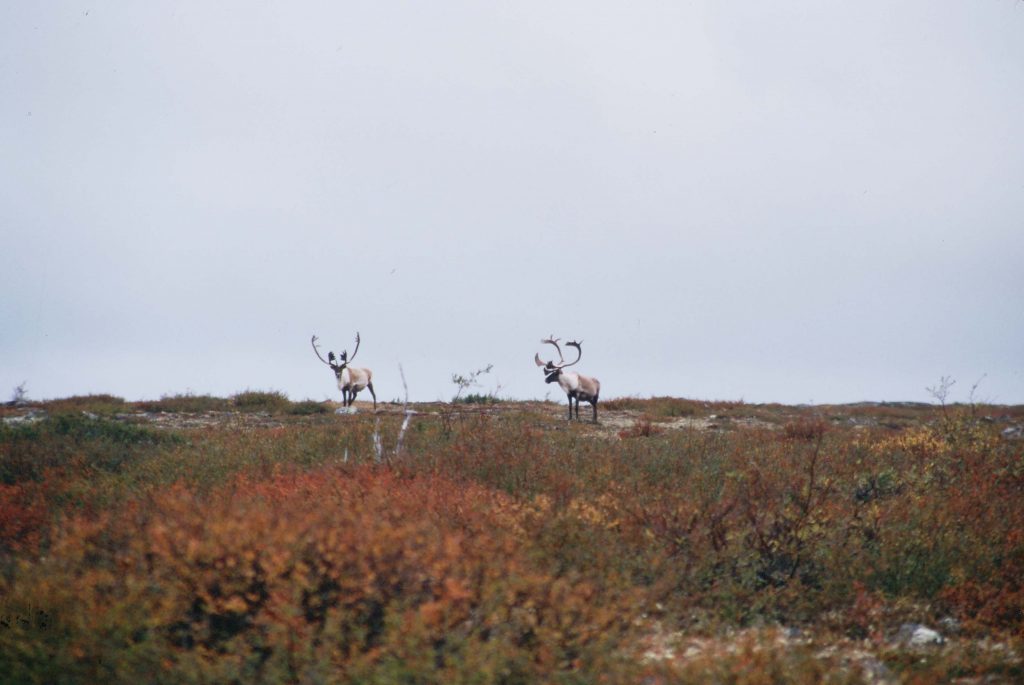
column 350, row 379
column 576, row 385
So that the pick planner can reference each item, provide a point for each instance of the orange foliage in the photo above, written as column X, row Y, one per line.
column 640, row 428
column 501, row 552
column 346, row 568
column 23, row 513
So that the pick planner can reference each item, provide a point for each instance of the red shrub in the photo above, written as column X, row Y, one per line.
column 23, row 515
column 641, row 428
column 808, row 430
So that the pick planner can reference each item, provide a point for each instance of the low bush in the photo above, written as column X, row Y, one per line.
column 272, row 401
column 76, row 441
column 352, row 573
column 657, row 407
column 187, row 403
column 94, row 404
column 806, row 429
column 501, row 547
column 641, row 428
column 308, row 408
column 477, row 398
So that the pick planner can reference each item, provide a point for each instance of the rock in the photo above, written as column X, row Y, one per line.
column 692, row 652
column 950, row 624
column 791, row 633
column 917, row 635
column 1013, row 433
column 875, row 671
column 32, row 416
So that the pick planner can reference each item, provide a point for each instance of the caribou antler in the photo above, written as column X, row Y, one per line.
column 579, row 352
column 317, row 350
column 356, row 350
column 552, row 340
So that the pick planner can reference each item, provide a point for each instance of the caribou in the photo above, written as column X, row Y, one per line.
column 576, row 385
column 350, row 379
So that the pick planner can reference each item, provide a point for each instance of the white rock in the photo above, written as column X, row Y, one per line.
column 926, row 636
column 31, row 417
column 917, row 635
column 876, row 672
column 950, row 624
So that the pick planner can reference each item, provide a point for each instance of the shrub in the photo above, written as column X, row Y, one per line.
column 355, row 574
column 513, row 548
column 477, row 398
column 94, row 404
column 308, row 408
column 641, row 428
column 272, row 401
column 187, row 403
column 74, row 440
column 808, row 430
column 19, row 396
column 656, row 407
column 23, row 515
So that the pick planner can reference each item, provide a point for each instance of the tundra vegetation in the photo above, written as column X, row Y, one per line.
column 253, row 539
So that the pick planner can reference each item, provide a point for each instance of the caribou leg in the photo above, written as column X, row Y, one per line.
column 370, row 388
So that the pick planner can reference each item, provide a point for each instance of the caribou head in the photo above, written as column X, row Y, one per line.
column 338, row 363
column 553, row 371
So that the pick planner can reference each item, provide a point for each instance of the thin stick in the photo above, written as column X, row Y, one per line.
column 407, row 411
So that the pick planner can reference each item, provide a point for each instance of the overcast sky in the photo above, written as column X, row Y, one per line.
column 794, row 201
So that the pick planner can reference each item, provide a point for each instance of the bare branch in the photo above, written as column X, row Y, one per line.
column 408, row 414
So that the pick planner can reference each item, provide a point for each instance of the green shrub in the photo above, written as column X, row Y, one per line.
column 657, row 407
column 477, row 398
column 187, row 403
column 95, row 404
column 271, row 401
column 75, row 440
column 308, row 408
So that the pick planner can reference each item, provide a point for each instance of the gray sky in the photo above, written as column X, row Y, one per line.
column 794, row 201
